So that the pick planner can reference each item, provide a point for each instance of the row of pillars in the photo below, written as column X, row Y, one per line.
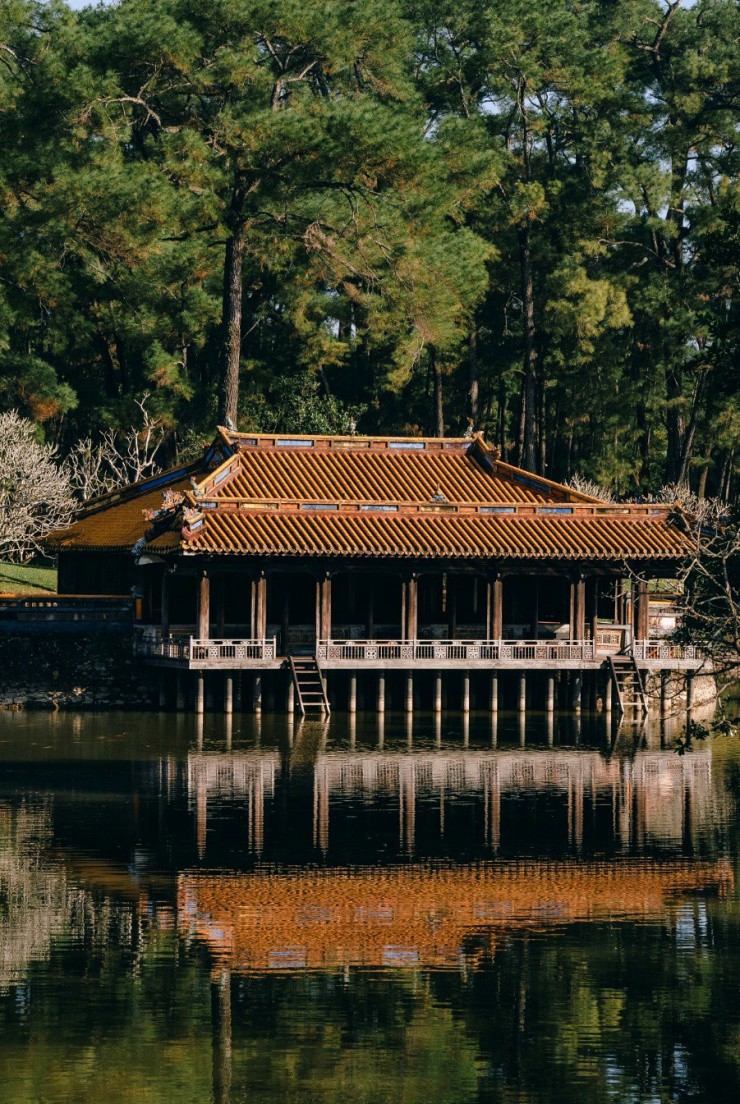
column 409, row 608
column 233, row 683
column 233, row 692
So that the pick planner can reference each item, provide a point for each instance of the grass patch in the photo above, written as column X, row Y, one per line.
column 27, row 579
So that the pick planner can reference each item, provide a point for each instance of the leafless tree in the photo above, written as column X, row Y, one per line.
column 710, row 607
column 590, row 487
column 116, row 458
column 36, row 494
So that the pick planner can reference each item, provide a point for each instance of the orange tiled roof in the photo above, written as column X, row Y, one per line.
column 419, row 914
column 427, row 535
column 374, row 497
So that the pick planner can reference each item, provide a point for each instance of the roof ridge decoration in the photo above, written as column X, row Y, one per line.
column 487, row 457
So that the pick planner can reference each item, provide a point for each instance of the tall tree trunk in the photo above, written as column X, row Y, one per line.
column 501, row 416
column 439, row 416
column 473, row 381
column 687, row 447
column 675, row 424
column 542, row 422
column 701, row 490
column 529, row 383
column 231, row 316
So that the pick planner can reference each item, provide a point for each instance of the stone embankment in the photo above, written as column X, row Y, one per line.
column 60, row 671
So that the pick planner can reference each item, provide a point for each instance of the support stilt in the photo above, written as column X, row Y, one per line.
column 466, row 693
column 438, row 692
column 494, row 694
column 522, row 692
column 228, row 694
column 550, row 693
column 200, row 693
column 257, row 695
column 577, row 691
column 352, row 694
column 409, row 692
column 289, row 697
column 381, row 694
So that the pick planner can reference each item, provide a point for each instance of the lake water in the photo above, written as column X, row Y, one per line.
column 406, row 913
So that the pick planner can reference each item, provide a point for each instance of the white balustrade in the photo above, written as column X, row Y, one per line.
column 663, row 649
column 442, row 651
column 213, row 650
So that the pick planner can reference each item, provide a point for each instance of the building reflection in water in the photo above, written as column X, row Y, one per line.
column 657, row 799
column 424, row 913
column 269, row 862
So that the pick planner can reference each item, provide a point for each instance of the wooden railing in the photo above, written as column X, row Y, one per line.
column 214, row 651
column 230, row 650
column 442, row 651
column 662, row 649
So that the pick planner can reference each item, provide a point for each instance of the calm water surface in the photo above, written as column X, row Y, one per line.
column 346, row 913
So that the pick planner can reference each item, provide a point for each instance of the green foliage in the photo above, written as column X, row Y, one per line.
column 390, row 165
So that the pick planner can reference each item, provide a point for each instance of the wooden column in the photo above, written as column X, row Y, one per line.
column 165, row 604
column 323, row 607
column 642, row 610
column 259, row 607
column 409, row 692
column 522, row 691
column 495, row 608
column 228, row 693
column 200, row 693
column 578, row 607
column 411, row 628
column 352, row 693
column 466, row 693
column 204, row 606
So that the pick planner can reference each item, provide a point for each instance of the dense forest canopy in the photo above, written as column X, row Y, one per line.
column 404, row 214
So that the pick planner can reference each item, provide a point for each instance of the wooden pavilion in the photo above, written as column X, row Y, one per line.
column 334, row 566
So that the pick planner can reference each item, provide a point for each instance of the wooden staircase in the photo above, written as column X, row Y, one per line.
column 630, row 686
column 310, row 688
